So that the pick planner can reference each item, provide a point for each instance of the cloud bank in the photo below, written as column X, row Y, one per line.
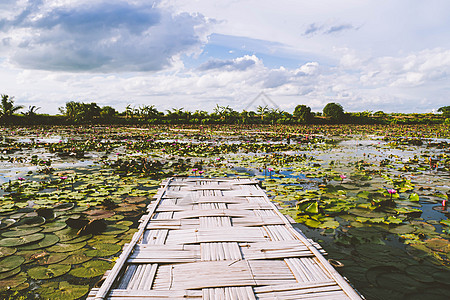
column 100, row 36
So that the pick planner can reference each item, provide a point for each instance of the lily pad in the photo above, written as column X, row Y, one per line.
column 397, row 282
column 49, row 240
column 103, row 250
column 75, row 258
column 64, row 206
column 12, row 282
column 54, row 226
column 421, row 273
column 403, row 229
column 5, row 223
column 47, row 272
column 99, row 214
column 10, row 262
column 115, row 218
column 17, row 232
column 66, row 247
column 91, row 269
column 52, row 258
column 10, row 273
column 6, row 251
column 62, row 290
column 438, row 244
column 18, row 241
column 79, row 239
column 66, row 234
column 31, row 221
column 115, row 229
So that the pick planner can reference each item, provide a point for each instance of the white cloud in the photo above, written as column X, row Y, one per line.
column 100, row 36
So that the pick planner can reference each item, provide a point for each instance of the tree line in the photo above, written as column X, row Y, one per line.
column 75, row 112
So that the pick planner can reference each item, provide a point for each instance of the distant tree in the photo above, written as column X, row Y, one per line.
column 108, row 112
column 8, row 108
column 262, row 111
column 303, row 114
column 31, row 112
column 445, row 111
column 79, row 112
column 334, row 111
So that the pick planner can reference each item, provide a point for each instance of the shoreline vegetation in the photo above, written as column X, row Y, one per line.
column 91, row 113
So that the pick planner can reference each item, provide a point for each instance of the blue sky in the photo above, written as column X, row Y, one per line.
column 365, row 54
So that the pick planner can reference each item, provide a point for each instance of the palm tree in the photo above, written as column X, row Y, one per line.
column 31, row 111
column 7, row 106
column 262, row 111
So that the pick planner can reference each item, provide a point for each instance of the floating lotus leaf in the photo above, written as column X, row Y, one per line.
column 403, row 229
column 54, row 226
column 421, row 273
column 12, row 282
column 91, row 269
column 10, row 273
column 31, row 221
column 79, row 239
column 52, row 258
column 64, row 206
column 10, row 262
column 441, row 276
column 135, row 199
column 5, row 223
column 62, row 290
column 47, row 272
column 18, row 241
column 99, row 214
column 125, row 223
column 397, row 282
column 367, row 213
column 115, row 218
column 125, row 207
column 77, row 257
column 79, row 209
column 6, row 251
column 49, row 240
column 66, row 247
column 109, row 239
column 66, row 234
column 438, row 244
column 115, row 229
column 374, row 272
column 17, row 232
column 103, row 250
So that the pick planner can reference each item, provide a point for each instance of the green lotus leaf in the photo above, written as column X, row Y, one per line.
column 397, row 282
column 438, row 244
column 53, row 226
column 6, row 251
column 414, row 197
column 12, row 282
column 47, row 272
column 125, row 223
column 31, row 221
column 64, row 206
column 10, row 262
column 66, row 234
column 62, row 290
column 18, row 241
column 115, row 218
column 91, row 269
column 52, row 258
column 49, row 240
column 60, row 248
column 17, row 232
column 79, row 239
column 5, row 223
column 10, row 273
column 367, row 213
column 421, row 273
column 115, row 229
column 403, row 229
column 77, row 257
column 103, row 250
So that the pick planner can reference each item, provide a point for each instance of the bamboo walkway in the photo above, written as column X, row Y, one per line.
column 219, row 239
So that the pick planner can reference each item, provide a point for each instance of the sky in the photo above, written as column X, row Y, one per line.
column 367, row 55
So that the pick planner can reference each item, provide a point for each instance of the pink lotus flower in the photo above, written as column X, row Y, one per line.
column 270, row 169
column 444, row 202
column 21, row 178
column 342, row 176
column 391, row 191
column 63, row 177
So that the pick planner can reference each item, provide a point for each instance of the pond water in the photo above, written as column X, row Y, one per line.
column 392, row 245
